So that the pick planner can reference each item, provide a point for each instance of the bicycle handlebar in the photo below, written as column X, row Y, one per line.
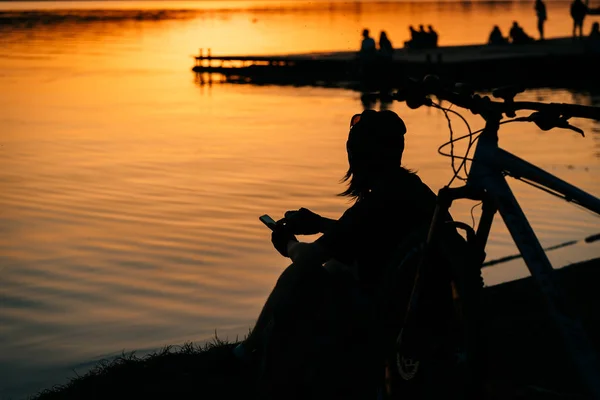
column 415, row 94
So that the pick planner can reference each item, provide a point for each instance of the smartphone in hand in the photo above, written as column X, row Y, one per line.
column 268, row 221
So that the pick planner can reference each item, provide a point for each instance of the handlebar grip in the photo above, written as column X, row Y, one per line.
column 415, row 93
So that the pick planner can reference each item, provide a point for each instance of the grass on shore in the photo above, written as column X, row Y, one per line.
column 175, row 372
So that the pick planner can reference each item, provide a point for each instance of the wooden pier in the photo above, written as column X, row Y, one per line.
column 553, row 62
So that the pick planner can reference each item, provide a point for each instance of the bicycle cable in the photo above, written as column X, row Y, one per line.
column 473, row 216
column 472, row 140
column 453, row 157
column 473, row 137
column 554, row 193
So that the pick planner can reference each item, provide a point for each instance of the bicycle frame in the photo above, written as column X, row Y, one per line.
column 486, row 183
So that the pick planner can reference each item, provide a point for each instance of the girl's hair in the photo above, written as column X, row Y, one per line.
column 375, row 145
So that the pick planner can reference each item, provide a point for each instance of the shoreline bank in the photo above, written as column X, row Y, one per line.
column 526, row 360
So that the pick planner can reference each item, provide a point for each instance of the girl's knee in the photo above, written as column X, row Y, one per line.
column 298, row 272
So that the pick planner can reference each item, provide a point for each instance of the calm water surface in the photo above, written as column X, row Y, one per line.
column 130, row 194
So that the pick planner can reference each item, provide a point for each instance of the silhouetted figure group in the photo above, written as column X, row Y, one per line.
column 375, row 60
column 369, row 50
column 578, row 10
column 516, row 35
column 422, row 39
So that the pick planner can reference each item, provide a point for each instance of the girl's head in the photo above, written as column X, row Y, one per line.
column 375, row 146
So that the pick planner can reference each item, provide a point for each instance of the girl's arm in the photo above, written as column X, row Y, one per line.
column 326, row 223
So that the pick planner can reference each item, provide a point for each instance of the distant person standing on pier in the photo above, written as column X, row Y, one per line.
column 578, row 12
column 367, row 59
column 386, row 50
column 386, row 55
column 540, row 11
column 367, row 46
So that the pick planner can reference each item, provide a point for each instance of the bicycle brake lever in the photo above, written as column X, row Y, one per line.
column 563, row 122
column 573, row 128
column 546, row 121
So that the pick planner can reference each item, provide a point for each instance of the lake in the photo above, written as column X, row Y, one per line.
column 130, row 194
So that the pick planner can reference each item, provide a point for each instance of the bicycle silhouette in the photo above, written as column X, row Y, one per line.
column 426, row 361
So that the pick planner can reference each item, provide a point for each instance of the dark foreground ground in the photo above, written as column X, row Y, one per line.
column 526, row 360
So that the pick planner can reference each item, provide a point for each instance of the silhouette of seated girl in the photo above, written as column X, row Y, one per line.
column 386, row 49
column 314, row 333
